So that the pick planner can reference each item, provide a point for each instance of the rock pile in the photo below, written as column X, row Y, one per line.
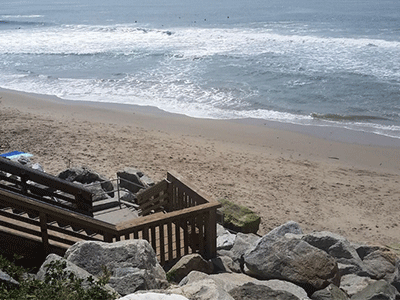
column 283, row 264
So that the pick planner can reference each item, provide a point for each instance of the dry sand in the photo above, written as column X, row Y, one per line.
column 324, row 179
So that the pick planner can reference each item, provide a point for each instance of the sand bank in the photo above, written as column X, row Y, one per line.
column 323, row 178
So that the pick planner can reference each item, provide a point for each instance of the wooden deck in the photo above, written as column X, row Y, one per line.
column 175, row 218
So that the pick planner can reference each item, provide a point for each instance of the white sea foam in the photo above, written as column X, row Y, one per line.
column 312, row 53
column 171, row 84
column 20, row 16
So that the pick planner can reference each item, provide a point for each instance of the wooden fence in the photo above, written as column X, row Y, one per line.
column 176, row 220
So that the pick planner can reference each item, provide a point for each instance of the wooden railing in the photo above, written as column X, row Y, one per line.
column 45, row 187
column 186, row 223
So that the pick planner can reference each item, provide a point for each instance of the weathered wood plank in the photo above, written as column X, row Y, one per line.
column 155, row 208
column 144, row 195
column 45, row 179
column 178, row 238
column 181, row 182
column 170, row 242
column 162, row 244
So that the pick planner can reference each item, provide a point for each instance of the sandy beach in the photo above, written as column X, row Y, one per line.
column 323, row 178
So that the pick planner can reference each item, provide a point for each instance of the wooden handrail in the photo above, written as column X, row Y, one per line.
column 154, row 219
column 82, row 196
column 172, row 234
column 178, row 180
column 26, row 204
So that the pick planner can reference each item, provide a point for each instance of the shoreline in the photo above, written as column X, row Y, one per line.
column 333, row 133
column 323, row 178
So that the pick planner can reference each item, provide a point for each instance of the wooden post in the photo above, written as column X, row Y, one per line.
column 45, row 235
column 146, row 233
column 178, row 238
column 108, row 237
column 211, row 234
column 200, row 225
column 153, row 238
column 162, row 245
column 170, row 242
column 24, row 185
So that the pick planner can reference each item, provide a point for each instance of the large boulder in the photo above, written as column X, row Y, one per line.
column 251, row 291
column 229, row 281
column 86, row 176
column 293, row 260
column 378, row 290
column 380, row 264
column 396, row 278
column 204, row 289
column 349, row 262
column 290, row 227
column 239, row 218
column 225, row 264
column 153, row 296
column 70, row 268
column 225, row 239
column 331, row 292
column 132, row 263
column 133, row 179
column 373, row 261
column 243, row 243
column 335, row 245
column 352, row 284
column 188, row 263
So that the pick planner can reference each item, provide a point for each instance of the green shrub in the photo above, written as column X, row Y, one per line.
column 58, row 284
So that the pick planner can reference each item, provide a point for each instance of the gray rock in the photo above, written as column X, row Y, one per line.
column 225, row 264
column 229, row 281
column 331, row 292
column 130, row 179
column 377, row 290
column 226, row 281
column 127, row 196
column 293, row 260
column 96, row 189
column 345, row 269
column 380, row 264
column 364, row 249
column 153, row 296
column 323, row 240
column 86, row 176
column 250, row 291
column 396, row 278
column 225, row 239
column 243, row 243
column 201, row 289
column 352, row 284
column 340, row 248
column 335, row 245
column 280, row 285
column 146, row 180
column 290, row 227
column 70, row 268
column 5, row 278
column 133, row 263
column 187, row 264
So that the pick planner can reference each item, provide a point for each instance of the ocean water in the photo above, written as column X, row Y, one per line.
column 308, row 62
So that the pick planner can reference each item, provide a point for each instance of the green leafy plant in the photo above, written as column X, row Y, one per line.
column 58, row 284
column 171, row 275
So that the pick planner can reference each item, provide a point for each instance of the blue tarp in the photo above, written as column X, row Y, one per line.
column 15, row 154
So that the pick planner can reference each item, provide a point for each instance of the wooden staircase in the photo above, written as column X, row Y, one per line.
column 40, row 213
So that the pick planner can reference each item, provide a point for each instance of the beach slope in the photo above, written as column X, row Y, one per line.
column 324, row 179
